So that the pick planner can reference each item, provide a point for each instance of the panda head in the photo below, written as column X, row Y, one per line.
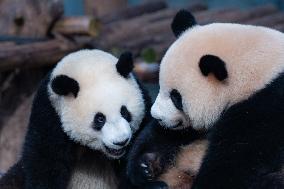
column 97, row 99
column 212, row 67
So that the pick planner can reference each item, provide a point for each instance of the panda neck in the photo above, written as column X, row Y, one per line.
column 261, row 108
column 93, row 170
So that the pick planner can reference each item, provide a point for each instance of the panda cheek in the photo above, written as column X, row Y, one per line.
column 106, row 134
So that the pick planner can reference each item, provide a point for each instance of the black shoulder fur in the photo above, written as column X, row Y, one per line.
column 246, row 146
column 48, row 154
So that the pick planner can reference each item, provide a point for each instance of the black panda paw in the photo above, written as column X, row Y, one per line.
column 157, row 185
column 145, row 169
column 147, row 165
column 151, row 166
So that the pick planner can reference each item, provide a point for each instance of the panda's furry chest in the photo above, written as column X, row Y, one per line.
column 93, row 171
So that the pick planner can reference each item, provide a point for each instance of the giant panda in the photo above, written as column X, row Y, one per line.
column 84, row 116
column 228, row 80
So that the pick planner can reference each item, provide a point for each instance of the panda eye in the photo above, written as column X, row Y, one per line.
column 125, row 113
column 99, row 121
column 176, row 99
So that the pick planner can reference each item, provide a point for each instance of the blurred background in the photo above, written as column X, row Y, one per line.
column 36, row 34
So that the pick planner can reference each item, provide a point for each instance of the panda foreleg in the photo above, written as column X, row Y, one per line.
column 47, row 173
column 48, row 163
column 48, row 153
column 151, row 153
column 148, row 166
column 271, row 181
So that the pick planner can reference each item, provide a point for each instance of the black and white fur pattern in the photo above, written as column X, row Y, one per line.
column 66, row 145
column 227, row 79
column 162, row 158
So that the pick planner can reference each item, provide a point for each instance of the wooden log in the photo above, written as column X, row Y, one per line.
column 156, row 42
column 148, row 40
column 268, row 21
column 124, row 34
column 257, row 12
column 159, row 28
column 100, row 8
column 135, row 23
column 84, row 41
column 209, row 16
column 158, row 22
column 160, row 40
column 20, row 40
column 13, row 133
column 154, row 16
column 7, row 45
column 131, row 12
column 29, row 18
column 81, row 25
column 221, row 15
column 235, row 15
column 36, row 54
column 158, row 25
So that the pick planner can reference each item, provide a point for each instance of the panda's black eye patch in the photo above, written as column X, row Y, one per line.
column 125, row 113
column 99, row 121
column 176, row 99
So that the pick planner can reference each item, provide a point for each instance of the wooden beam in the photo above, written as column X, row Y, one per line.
column 134, row 11
column 100, row 8
column 35, row 54
column 79, row 25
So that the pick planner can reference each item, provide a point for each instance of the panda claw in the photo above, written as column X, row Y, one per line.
column 147, row 173
column 143, row 165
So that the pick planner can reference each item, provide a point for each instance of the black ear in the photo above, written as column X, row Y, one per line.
column 125, row 64
column 64, row 85
column 213, row 64
column 182, row 21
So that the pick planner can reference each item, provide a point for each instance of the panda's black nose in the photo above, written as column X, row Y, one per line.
column 121, row 143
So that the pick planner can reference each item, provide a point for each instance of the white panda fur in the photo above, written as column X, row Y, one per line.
column 63, row 146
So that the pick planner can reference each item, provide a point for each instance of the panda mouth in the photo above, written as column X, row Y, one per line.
column 115, row 152
column 177, row 126
column 180, row 123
